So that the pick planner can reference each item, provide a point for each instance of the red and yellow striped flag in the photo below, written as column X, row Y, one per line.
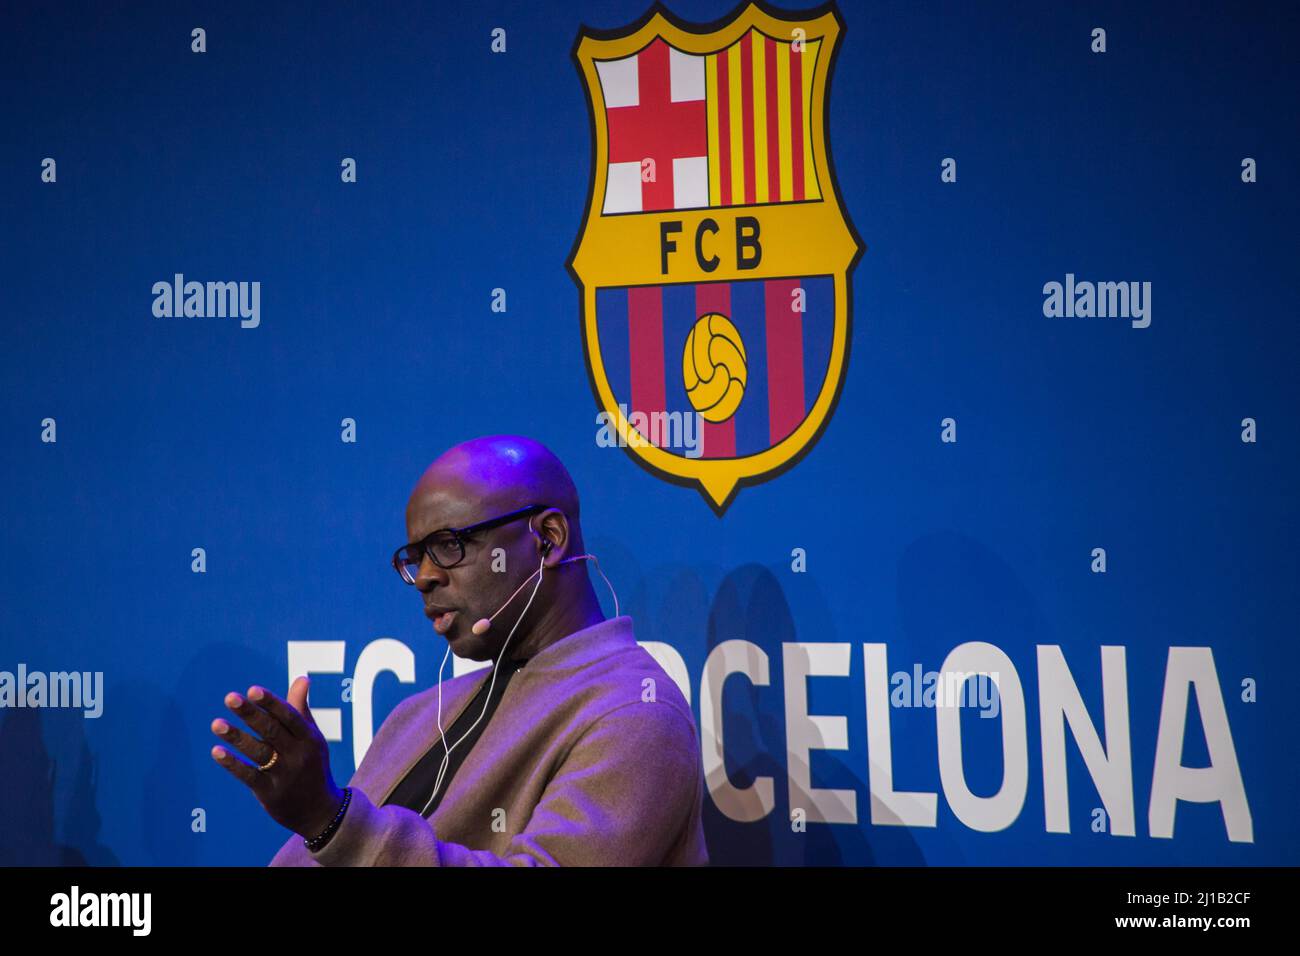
column 758, row 94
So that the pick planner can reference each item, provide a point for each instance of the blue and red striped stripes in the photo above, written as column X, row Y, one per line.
column 642, row 331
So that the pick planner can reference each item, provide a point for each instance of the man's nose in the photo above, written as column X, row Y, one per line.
column 430, row 575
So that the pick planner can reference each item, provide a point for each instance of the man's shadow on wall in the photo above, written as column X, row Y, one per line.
column 168, row 765
column 751, row 605
column 950, row 588
column 30, row 772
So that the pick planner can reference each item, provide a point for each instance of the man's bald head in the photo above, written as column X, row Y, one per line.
column 507, row 470
column 483, row 477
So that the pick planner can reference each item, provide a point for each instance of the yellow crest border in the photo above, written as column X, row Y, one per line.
column 721, row 479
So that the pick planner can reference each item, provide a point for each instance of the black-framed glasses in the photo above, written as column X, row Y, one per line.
column 446, row 546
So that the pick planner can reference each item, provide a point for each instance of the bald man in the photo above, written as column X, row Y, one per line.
column 573, row 748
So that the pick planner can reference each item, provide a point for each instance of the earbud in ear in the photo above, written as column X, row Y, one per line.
column 546, row 542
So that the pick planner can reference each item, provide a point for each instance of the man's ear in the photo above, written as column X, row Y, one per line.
column 553, row 536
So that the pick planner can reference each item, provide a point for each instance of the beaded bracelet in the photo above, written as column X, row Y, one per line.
column 315, row 843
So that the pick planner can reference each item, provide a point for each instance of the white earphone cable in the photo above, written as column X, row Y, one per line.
column 539, row 574
column 446, row 757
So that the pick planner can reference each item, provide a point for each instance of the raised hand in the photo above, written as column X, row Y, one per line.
column 289, row 773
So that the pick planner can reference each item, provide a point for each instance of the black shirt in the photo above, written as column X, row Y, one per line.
column 414, row 789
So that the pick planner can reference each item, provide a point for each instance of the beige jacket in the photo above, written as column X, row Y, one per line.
column 591, row 759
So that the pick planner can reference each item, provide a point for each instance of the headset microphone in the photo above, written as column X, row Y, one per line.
column 481, row 627
column 484, row 624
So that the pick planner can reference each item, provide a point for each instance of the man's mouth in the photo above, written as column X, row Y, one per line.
column 442, row 618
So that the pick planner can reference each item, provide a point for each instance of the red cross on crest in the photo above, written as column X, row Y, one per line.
column 663, row 125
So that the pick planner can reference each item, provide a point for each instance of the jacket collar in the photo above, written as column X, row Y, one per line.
column 585, row 645
column 570, row 653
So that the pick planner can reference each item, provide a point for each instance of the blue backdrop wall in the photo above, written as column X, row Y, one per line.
column 130, row 440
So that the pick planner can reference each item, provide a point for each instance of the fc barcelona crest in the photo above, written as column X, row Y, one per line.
column 715, row 255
